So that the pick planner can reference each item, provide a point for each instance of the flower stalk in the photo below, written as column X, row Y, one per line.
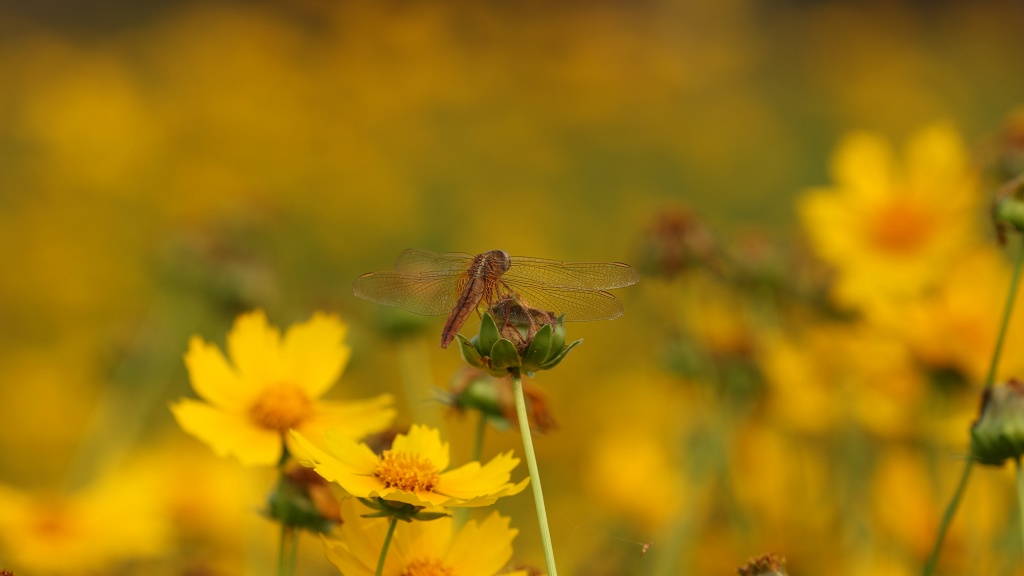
column 531, row 462
column 289, row 551
column 954, row 503
column 1020, row 499
column 288, row 548
column 387, row 544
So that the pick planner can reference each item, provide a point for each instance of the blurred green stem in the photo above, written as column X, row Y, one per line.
column 990, row 378
column 387, row 544
column 1007, row 312
column 288, row 553
column 1020, row 499
column 947, row 518
column 531, row 462
column 289, row 550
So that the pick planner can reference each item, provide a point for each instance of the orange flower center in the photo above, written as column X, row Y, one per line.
column 899, row 227
column 280, row 407
column 427, row 567
column 53, row 522
column 407, row 472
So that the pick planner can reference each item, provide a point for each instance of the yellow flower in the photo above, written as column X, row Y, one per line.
column 956, row 326
column 818, row 380
column 413, row 471
column 889, row 233
column 114, row 520
column 420, row 548
column 275, row 385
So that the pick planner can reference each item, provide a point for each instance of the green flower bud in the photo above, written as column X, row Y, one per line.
column 518, row 346
column 301, row 500
column 998, row 433
column 473, row 389
column 1008, row 208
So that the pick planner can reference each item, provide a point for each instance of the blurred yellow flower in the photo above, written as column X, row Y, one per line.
column 890, row 231
column 420, row 548
column 650, row 491
column 114, row 520
column 819, row 379
column 414, row 471
column 956, row 325
column 904, row 500
column 274, row 386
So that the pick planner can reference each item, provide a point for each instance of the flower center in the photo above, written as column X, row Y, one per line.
column 427, row 567
column 280, row 407
column 407, row 472
column 53, row 523
column 899, row 227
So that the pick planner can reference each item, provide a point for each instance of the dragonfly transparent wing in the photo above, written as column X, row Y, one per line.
column 576, row 305
column 428, row 294
column 415, row 261
column 577, row 275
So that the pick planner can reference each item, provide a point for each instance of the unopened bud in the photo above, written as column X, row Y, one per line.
column 998, row 433
column 766, row 565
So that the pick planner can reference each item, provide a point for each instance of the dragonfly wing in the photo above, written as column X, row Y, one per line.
column 419, row 293
column 576, row 305
column 415, row 261
column 578, row 275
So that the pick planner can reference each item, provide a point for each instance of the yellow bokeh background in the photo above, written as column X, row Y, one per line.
column 165, row 166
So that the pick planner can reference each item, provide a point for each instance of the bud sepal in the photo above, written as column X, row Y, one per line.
column 493, row 351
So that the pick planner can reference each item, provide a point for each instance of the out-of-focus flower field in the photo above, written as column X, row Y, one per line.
column 804, row 187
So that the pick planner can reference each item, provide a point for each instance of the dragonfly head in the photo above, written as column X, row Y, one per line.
column 502, row 258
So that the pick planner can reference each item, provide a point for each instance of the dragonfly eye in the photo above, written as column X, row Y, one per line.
column 504, row 259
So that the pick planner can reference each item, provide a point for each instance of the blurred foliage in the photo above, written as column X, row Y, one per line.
column 165, row 166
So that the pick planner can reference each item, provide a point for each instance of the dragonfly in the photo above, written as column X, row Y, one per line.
column 458, row 283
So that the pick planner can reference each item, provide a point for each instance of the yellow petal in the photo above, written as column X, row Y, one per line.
column 349, row 419
column 488, row 499
column 349, row 464
column 255, row 348
column 936, row 162
column 418, row 540
column 863, row 165
column 424, row 499
column 361, row 539
column 426, row 442
column 830, row 223
column 472, row 480
column 343, row 556
column 482, row 549
column 212, row 377
column 229, row 433
column 356, row 553
column 314, row 354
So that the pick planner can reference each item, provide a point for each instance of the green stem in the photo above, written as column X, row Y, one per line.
column 990, row 378
column 289, row 548
column 531, row 462
column 1020, row 499
column 387, row 544
column 947, row 518
column 1007, row 312
column 288, row 552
